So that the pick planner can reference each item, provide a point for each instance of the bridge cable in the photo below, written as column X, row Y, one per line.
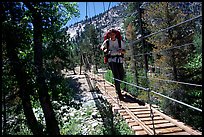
column 191, row 84
column 104, row 7
column 94, row 9
column 146, row 64
column 86, row 11
column 152, row 90
column 167, row 28
column 169, row 49
column 107, row 10
column 146, row 89
column 180, row 82
column 175, row 47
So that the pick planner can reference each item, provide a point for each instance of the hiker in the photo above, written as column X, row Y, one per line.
column 114, row 49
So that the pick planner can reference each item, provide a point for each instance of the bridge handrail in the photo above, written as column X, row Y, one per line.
column 147, row 89
column 185, row 83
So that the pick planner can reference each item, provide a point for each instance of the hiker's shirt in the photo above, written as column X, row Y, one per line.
column 114, row 50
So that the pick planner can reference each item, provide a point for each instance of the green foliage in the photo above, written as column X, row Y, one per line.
column 121, row 126
column 88, row 42
column 59, row 53
column 195, row 60
column 129, row 77
column 180, row 64
column 109, row 76
column 17, row 126
column 18, row 19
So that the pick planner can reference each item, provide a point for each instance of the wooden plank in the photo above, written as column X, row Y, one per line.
column 146, row 115
column 137, row 128
column 142, row 132
column 177, row 133
column 150, row 119
column 163, row 125
column 133, row 106
column 141, row 112
column 133, row 124
column 143, row 116
column 179, row 124
column 126, row 116
column 146, row 128
column 124, row 113
column 139, row 109
column 156, row 122
column 168, row 130
column 129, row 120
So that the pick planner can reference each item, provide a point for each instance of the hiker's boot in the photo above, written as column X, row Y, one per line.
column 120, row 96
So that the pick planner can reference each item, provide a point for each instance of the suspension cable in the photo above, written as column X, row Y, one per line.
column 86, row 11
column 175, row 47
column 146, row 67
column 146, row 89
column 131, row 84
column 167, row 28
column 109, row 5
column 94, row 8
column 191, row 84
column 180, row 82
column 108, row 8
column 104, row 7
column 176, row 101
column 88, row 8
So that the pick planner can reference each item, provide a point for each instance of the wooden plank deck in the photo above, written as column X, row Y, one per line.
column 138, row 117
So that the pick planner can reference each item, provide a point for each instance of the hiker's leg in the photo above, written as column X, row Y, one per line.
column 121, row 71
column 114, row 69
column 119, row 75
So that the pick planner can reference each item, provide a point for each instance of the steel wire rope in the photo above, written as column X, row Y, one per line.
column 170, row 49
column 180, row 82
column 108, row 10
column 187, row 44
column 108, row 7
column 94, row 8
column 143, row 54
column 146, row 89
column 88, row 8
column 104, row 9
column 172, row 98
column 122, row 105
column 111, row 64
column 167, row 28
column 86, row 11
column 144, row 48
column 185, row 83
column 94, row 60
column 180, row 102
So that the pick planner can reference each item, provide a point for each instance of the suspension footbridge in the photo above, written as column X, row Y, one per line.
column 141, row 117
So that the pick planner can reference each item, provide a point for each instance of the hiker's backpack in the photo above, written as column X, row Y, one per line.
column 118, row 37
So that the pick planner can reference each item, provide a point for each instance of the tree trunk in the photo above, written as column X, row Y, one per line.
column 133, row 50
column 134, row 66
column 22, row 78
column 172, row 56
column 4, row 132
column 51, row 122
column 74, row 71
column 175, row 75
